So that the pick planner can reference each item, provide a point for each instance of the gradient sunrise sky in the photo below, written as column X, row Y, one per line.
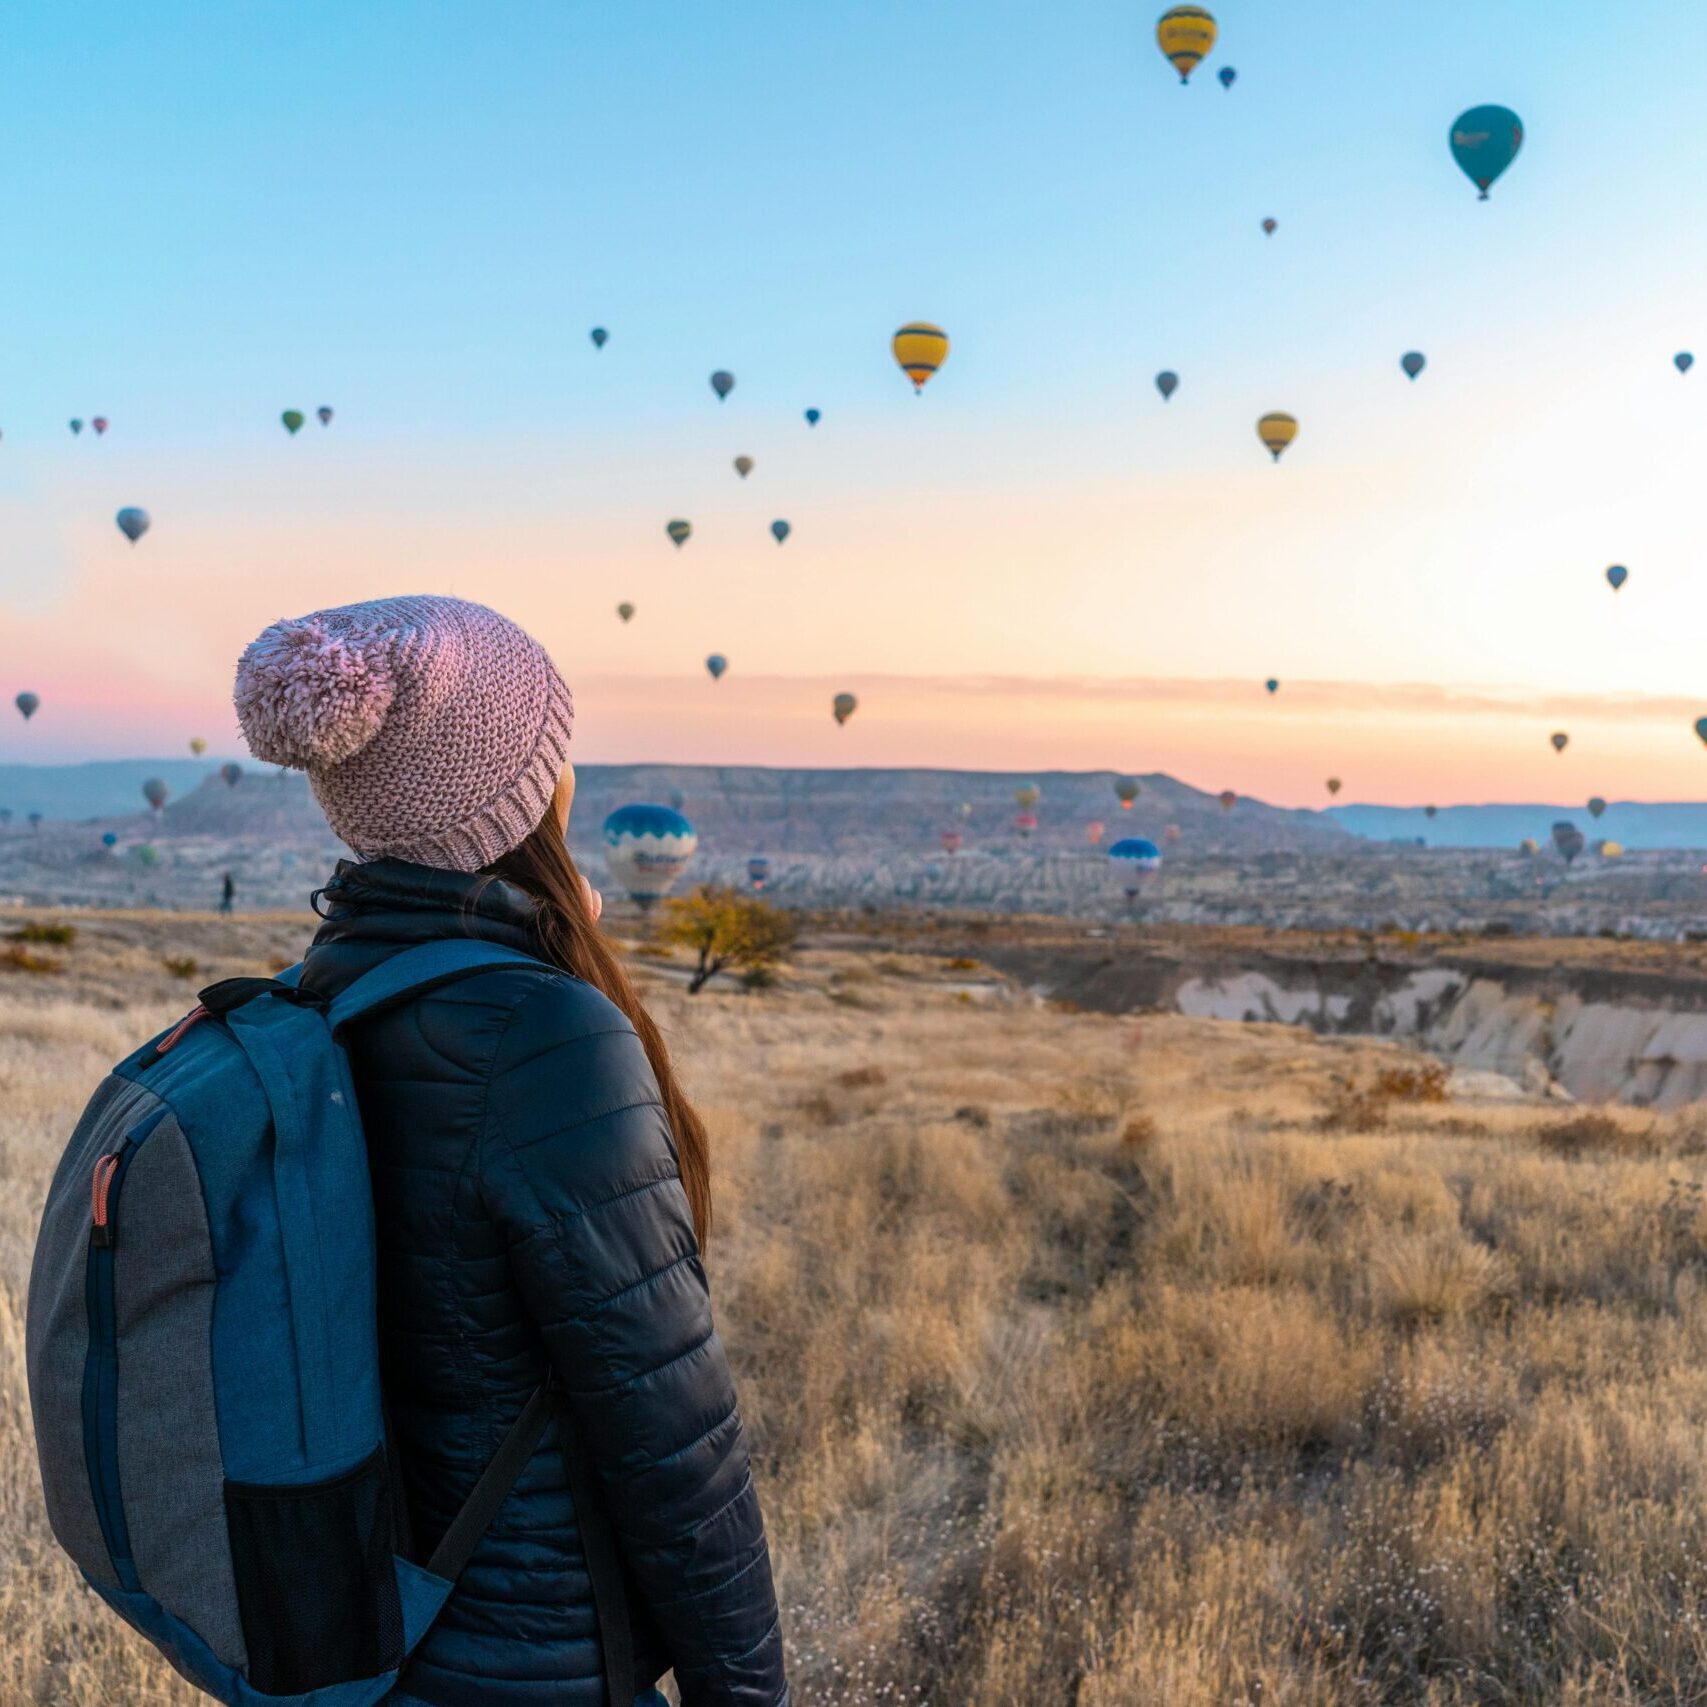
column 414, row 210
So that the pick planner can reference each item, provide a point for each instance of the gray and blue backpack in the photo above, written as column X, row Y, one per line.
column 204, row 1360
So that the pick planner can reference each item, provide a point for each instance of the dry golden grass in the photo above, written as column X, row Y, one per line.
column 1096, row 1367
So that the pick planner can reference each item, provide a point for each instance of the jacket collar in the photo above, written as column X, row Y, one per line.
column 393, row 901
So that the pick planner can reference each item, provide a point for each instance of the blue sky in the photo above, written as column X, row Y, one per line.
column 415, row 211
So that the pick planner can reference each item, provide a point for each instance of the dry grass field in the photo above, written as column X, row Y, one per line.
column 1095, row 1361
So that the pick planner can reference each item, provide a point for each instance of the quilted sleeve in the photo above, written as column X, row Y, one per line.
column 578, row 1166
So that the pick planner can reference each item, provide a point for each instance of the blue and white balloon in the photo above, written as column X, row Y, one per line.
column 1135, row 860
column 647, row 848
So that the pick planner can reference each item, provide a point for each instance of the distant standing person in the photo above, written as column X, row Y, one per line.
column 227, row 894
column 540, row 1181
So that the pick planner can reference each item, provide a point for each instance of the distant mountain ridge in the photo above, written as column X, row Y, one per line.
column 1635, row 824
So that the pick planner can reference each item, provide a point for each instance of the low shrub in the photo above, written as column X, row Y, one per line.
column 61, row 936
column 15, row 957
column 181, row 965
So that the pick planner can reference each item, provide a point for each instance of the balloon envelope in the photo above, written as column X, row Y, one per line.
column 920, row 349
column 1026, row 823
column 758, row 869
column 1413, row 362
column 1485, row 141
column 1270, row 226
column 109, row 840
column 1617, row 575
column 1334, row 785
column 1568, row 839
column 154, row 791
column 1134, row 860
column 1683, row 361
column 1277, row 431
column 722, row 383
column 1560, row 740
column 132, row 522
column 292, row 419
column 625, row 610
column 1167, row 382
column 76, row 427
column 743, row 466
column 1272, row 684
column 1228, row 799
column 197, row 745
column 1094, row 832
column 28, row 704
column 1126, row 790
column 598, row 335
column 231, row 773
column 952, row 841
column 1185, row 34
column 324, row 413
column 647, row 848
column 813, row 417
column 1027, row 795
column 1596, row 806
column 779, row 531
column 99, row 424
column 844, row 705
column 679, row 531
column 1226, row 74
column 1701, row 728
column 716, row 664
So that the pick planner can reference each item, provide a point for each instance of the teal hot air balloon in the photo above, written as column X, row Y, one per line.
column 1227, row 75
column 1413, row 362
column 1683, row 361
column 598, row 335
column 154, row 791
column 779, row 531
column 715, row 665
column 1616, row 576
column 1167, row 382
column 132, row 522
column 680, row 532
column 76, row 428
column 28, row 705
column 722, row 383
column 1701, row 729
column 109, row 839
column 1272, row 684
column 292, row 420
column 813, row 417
column 1485, row 141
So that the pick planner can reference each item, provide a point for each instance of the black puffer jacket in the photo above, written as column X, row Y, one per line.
column 531, row 1217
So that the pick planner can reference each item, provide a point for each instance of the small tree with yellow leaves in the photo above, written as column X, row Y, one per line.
column 729, row 932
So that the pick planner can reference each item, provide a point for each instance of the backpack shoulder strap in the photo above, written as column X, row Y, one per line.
column 419, row 969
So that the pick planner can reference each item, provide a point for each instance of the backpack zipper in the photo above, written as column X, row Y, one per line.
column 100, row 1366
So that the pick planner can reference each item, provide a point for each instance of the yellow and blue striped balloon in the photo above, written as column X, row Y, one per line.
column 920, row 349
column 1185, row 34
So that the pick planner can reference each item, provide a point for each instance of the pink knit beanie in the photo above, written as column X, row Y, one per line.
column 432, row 730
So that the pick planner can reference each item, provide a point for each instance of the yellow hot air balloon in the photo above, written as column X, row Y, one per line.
column 1185, row 34
column 197, row 745
column 921, row 349
column 1277, row 431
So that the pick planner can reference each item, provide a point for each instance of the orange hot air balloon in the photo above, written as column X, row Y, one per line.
column 1094, row 834
column 1228, row 799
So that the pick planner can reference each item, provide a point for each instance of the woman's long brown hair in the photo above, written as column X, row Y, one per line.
column 570, row 937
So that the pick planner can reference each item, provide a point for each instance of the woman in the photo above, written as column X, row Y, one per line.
column 540, row 1181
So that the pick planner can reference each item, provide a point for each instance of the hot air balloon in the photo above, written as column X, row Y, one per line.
column 293, row 419
column 1610, row 850
column 598, row 335
column 758, row 869
column 1126, row 790
column 647, row 848
column 743, row 466
column 715, row 665
column 722, row 383
column 1025, row 824
column 1277, row 431
column 966, row 809
column 1228, row 799
column 1270, row 226
column 1094, row 832
column 1027, row 796
column 1560, row 740
column 933, row 871
column 952, row 842
column 1334, row 785
column 109, row 840
column 154, row 791
column 1413, row 362
column 1617, row 575
column 1596, row 806
column 1485, row 141
column 100, row 425
column 28, row 704
column 1568, row 839
column 921, row 349
column 844, row 705
column 1429, row 811
column 1700, row 728
column 1529, row 847
column 813, row 417
column 1135, row 859
column 324, row 414
column 1167, row 382
column 76, row 427
column 677, row 800
column 197, row 745
column 231, row 773
column 148, row 854
column 626, row 611
column 1172, row 833
column 1226, row 74
column 1683, row 361
column 779, row 531
column 1185, row 34
column 133, row 523
column 35, row 820
column 679, row 531
column 1272, row 684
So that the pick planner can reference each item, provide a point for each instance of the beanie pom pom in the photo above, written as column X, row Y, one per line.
column 311, row 695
